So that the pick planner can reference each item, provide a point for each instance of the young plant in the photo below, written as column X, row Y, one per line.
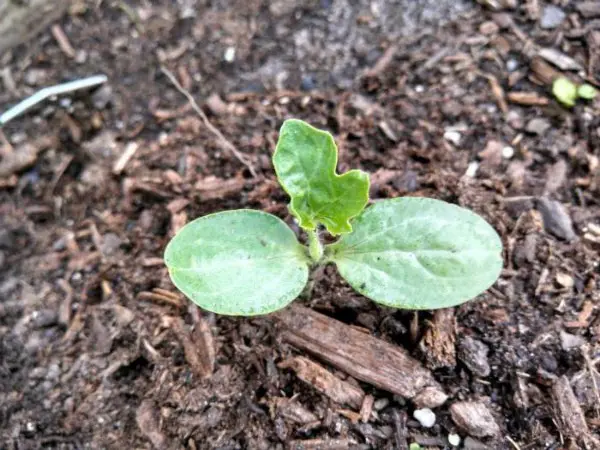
column 567, row 92
column 412, row 253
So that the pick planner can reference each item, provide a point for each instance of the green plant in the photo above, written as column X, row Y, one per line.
column 568, row 92
column 415, row 253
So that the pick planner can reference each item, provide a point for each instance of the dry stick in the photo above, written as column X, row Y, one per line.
column 214, row 130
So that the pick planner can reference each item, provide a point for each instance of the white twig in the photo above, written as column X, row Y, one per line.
column 52, row 91
column 214, row 130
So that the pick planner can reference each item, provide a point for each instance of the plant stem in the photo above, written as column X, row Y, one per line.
column 315, row 247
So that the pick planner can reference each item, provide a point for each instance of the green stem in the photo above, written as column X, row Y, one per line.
column 315, row 247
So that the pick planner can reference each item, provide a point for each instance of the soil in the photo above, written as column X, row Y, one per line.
column 97, row 347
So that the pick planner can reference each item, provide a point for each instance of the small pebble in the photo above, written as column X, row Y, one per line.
column 454, row 439
column 474, row 354
column 570, row 341
column 552, row 17
column 229, row 55
column 512, row 65
column 537, row 126
column 472, row 169
column 425, row 416
column 508, row 152
column 452, row 136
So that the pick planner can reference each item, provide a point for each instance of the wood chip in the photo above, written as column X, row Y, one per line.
column 322, row 444
column 64, row 311
column 438, row 342
column 63, row 41
column 366, row 408
column 198, row 346
column 588, row 9
column 559, row 59
column 211, row 187
column 543, row 71
column 568, row 412
column 159, row 298
column 147, row 418
column 324, row 381
column 366, row 358
column 120, row 164
column 527, row 98
column 24, row 156
column 475, row 418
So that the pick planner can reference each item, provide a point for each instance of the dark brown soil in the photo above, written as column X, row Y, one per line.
column 90, row 359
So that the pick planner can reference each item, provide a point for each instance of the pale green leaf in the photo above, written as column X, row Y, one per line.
column 587, row 91
column 239, row 262
column 565, row 91
column 418, row 253
column 305, row 161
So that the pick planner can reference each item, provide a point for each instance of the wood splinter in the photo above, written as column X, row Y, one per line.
column 360, row 355
column 324, row 381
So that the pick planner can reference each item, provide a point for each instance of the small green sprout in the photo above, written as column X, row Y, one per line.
column 587, row 92
column 412, row 253
column 568, row 92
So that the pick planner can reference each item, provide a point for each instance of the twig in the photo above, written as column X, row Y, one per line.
column 63, row 41
column 45, row 93
column 224, row 141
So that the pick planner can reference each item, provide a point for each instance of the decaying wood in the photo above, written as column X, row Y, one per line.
column 20, row 21
column 322, row 444
column 198, row 346
column 544, row 72
column 439, row 341
column 324, row 381
column 362, row 356
column 568, row 412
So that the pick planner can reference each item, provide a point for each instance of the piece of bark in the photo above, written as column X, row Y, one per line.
column 322, row 444
column 324, row 381
column 147, row 418
column 198, row 346
column 543, row 71
column 364, row 357
column 589, row 9
column 21, row 20
column 568, row 411
column 475, row 418
column 366, row 408
column 294, row 411
column 527, row 98
column 211, row 187
column 24, row 156
column 439, row 340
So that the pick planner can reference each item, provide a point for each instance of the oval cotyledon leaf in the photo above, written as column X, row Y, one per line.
column 240, row 262
column 418, row 253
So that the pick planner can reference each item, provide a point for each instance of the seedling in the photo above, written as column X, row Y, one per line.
column 412, row 253
column 568, row 92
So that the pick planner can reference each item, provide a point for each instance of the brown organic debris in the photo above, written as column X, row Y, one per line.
column 474, row 418
column 439, row 340
column 324, row 381
column 147, row 419
column 568, row 412
column 198, row 346
column 527, row 98
column 365, row 357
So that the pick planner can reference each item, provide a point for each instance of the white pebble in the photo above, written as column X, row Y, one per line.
column 229, row 55
column 454, row 439
column 472, row 169
column 452, row 136
column 425, row 416
column 508, row 152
